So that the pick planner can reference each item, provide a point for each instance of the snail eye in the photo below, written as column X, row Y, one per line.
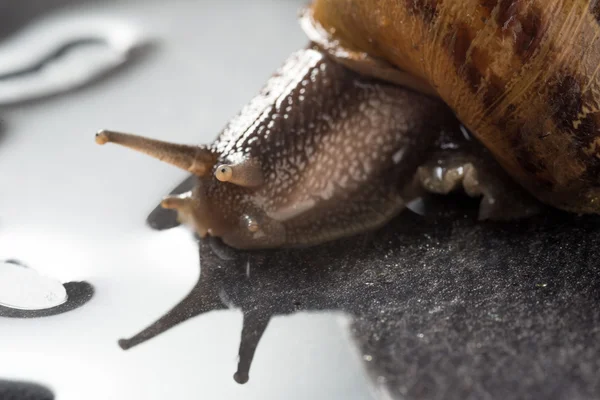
column 224, row 173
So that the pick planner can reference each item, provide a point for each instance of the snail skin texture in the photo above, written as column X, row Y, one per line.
column 366, row 119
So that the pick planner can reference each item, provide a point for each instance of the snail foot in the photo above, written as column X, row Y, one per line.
column 478, row 175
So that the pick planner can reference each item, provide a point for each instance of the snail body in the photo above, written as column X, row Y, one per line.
column 361, row 122
column 320, row 153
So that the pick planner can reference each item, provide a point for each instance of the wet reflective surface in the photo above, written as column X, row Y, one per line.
column 63, row 54
column 432, row 306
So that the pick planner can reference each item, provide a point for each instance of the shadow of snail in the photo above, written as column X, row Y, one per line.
column 441, row 304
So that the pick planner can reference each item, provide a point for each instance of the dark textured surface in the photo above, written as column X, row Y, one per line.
column 12, row 390
column 490, row 312
column 444, row 306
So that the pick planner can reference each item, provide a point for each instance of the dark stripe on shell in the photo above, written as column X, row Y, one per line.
column 425, row 9
column 565, row 101
column 595, row 9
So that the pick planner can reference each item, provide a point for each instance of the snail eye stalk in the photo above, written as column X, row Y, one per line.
column 195, row 159
column 224, row 173
column 247, row 173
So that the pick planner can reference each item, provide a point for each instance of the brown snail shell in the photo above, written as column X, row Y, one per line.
column 521, row 75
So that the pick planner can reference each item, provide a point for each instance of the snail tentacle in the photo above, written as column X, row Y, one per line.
column 195, row 159
column 177, row 202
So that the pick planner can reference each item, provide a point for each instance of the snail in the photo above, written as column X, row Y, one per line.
column 392, row 99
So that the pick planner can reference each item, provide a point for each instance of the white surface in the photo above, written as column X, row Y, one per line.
column 76, row 211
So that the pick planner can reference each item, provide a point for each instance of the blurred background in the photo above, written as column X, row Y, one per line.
column 74, row 211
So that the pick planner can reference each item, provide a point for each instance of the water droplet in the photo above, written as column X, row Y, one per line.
column 62, row 54
column 23, row 288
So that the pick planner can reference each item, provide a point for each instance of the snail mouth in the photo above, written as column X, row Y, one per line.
column 249, row 234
